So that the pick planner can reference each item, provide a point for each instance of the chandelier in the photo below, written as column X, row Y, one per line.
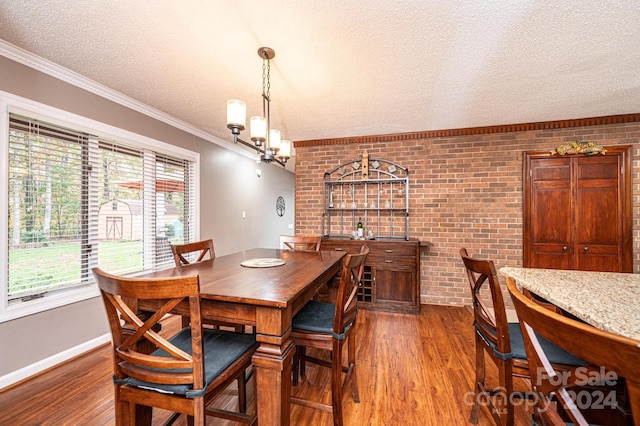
column 266, row 141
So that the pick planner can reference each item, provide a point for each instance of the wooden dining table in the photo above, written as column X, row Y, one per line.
column 266, row 297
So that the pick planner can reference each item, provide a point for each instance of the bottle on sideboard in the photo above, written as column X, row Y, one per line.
column 360, row 228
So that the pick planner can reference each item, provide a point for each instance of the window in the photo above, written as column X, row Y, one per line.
column 80, row 198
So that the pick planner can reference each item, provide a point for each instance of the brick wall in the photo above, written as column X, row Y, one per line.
column 465, row 191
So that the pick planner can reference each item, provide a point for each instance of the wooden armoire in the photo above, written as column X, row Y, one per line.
column 577, row 211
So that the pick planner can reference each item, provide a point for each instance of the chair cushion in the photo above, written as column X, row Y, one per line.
column 315, row 316
column 318, row 317
column 221, row 349
column 555, row 354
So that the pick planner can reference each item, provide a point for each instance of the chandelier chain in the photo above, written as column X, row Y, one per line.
column 266, row 76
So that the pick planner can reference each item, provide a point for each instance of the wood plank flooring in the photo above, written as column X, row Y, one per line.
column 412, row 370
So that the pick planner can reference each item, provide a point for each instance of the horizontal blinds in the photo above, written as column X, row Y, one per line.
column 77, row 201
column 171, row 176
column 47, row 195
column 190, row 202
column 120, row 208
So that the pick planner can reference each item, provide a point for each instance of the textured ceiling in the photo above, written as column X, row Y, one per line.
column 348, row 67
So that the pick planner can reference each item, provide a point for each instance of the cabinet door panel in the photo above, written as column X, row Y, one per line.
column 598, row 201
column 395, row 285
column 551, row 225
column 598, row 223
column 605, row 258
column 551, row 256
column 550, row 228
column 604, row 168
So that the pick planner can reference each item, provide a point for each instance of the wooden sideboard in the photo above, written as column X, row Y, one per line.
column 391, row 279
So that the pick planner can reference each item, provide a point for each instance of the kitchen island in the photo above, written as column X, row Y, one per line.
column 606, row 300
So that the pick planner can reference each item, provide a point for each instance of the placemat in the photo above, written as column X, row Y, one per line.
column 266, row 262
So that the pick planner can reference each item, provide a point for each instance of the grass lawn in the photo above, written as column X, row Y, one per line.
column 59, row 263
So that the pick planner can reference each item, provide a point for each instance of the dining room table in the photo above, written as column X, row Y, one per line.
column 606, row 300
column 263, row 288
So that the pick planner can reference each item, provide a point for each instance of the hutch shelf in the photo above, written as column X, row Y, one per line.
column 375, row 192
column 372, row 191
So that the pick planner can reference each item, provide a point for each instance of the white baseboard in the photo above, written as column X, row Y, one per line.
column 40, row 366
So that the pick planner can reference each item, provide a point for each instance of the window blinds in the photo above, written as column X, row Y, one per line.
column 77, row 201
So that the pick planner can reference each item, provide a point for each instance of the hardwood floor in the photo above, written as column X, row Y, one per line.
column 412, row 370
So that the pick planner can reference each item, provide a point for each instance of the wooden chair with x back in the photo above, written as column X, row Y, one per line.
column 187, row 370
column 185, row 254
column 300, row 243
column 328, row 327
column 501, row 340
column 199, row 250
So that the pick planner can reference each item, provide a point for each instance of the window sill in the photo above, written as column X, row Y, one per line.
column 49, row 301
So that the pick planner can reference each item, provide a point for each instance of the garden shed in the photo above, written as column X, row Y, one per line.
column 120, row 220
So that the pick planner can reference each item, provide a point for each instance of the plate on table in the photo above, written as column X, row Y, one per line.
column 265, row 262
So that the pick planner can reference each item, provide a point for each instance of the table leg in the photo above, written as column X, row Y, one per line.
column 272, row 363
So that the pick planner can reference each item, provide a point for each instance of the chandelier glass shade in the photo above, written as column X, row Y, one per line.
column 266, row 141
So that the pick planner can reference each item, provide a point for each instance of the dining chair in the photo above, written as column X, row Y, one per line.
column 300, row 243
column 502, row 341
column 187, row 370
column 328, row 326
column 310, row 243
column 185, row 254
column 617, row 355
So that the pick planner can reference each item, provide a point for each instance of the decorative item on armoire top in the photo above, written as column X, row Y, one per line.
column 579, row 147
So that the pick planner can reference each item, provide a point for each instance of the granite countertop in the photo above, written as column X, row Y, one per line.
column 607, row 300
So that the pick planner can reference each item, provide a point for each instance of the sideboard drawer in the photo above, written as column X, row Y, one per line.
column 348, row 246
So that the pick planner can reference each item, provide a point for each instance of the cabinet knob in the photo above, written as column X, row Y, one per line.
column 338, row 249
column 388, row 261
column 564, row 248
column 586, row 249
column 388, row 251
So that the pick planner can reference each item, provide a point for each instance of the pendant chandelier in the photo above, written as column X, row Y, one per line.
column 266, row 141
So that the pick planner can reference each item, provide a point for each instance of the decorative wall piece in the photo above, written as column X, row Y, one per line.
column 377, row 197
column 280, row 206
column 579, row 147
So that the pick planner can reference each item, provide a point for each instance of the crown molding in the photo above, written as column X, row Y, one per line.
column 45, row 66
column 430, row 134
